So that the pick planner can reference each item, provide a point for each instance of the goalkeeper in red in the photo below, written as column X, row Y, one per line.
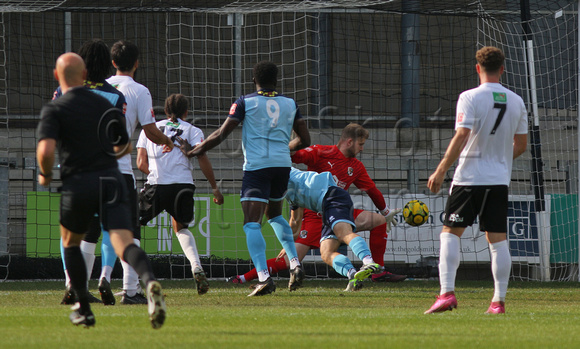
column 491, row 130
column 341, row 161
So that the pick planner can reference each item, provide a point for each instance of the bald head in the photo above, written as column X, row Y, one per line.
column 70, row 71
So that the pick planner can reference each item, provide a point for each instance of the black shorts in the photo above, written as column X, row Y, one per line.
column 489, row 202
column 94, row 232
column 176, row 199
column 134, row 205
column 85, row 194
column 267, row 184
column 337, row 207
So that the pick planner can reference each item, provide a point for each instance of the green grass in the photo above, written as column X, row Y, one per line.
column 320, row 315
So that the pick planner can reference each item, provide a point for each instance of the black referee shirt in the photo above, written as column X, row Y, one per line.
column 86, row 127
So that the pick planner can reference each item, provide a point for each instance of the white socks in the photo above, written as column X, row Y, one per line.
column 106, row 272
column 187, row 242
column 88, row 251
column 501, row 263
column 130, row 277
column 294, row 262
column 368, row 260
column 449, row 257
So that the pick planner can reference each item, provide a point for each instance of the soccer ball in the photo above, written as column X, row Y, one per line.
column 415, row 213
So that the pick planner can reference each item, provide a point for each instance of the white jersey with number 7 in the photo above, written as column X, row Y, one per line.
column 494, row 115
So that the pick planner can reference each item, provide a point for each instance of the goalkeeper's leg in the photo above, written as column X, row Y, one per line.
column 378, row 243
column 274, row 266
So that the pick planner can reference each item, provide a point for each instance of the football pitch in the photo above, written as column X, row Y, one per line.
column 319, row 315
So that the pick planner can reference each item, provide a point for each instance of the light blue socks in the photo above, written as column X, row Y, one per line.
column 108, row 255
column 256, row 245
column 342, row 265
column 359, row 247
column 284, row 234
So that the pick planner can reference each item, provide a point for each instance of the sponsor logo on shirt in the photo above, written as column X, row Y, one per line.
column 460, row 117
column 152, row 114
column 233, row 109
column 499, row 97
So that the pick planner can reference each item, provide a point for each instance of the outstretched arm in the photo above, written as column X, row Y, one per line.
column 206, row 168
column 213, row 140
column 156, row 136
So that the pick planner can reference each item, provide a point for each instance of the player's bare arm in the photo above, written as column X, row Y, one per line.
column 296, row 221
column 452, row 153
column 207, row 169
column 520, row 144
column 45, row 157
column 303, row 136
column 142, row 160
column 214, row 139
column 156, row 136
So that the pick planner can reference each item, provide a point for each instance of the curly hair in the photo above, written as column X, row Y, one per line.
column 124, row 54
column 490, row 58
column 266, row 73
column 97, row 59
column 176, row 106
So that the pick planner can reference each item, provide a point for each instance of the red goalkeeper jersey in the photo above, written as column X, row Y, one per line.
column 346, row 171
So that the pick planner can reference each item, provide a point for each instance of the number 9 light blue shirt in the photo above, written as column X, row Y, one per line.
column 268, row 118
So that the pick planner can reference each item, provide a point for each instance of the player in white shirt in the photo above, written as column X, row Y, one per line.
column 170, row 184
column 125, row 57
column 491, row 130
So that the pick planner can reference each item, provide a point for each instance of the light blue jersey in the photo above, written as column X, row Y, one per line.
column 268, row 119
column 307, row 189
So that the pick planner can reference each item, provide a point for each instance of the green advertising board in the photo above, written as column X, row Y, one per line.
column 217, row 229
column 564, row 228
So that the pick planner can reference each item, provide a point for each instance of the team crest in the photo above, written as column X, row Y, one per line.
column 460, row 117
column 350, row 171
column 233, row 109
column 303, row 234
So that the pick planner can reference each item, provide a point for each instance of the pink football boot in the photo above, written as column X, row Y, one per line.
column 496, row 308
column 446, row 301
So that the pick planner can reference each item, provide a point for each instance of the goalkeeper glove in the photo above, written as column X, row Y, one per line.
column 390, row 217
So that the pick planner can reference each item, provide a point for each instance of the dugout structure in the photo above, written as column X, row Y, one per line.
column 397, row 67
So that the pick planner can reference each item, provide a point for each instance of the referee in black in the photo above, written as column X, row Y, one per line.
column 90, row 135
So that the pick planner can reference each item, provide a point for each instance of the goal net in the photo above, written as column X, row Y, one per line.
column 396, row 67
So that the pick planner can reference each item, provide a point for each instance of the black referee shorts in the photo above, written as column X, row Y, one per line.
column 85, row 194
column 94, row 232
